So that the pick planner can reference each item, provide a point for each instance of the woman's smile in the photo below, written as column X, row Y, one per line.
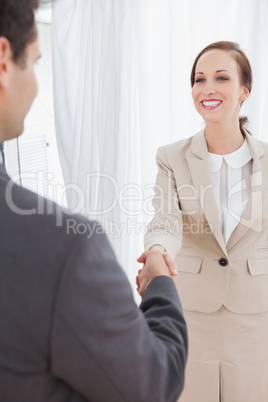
column 217, row 86
column 210, row 104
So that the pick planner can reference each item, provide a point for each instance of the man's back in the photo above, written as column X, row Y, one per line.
column 70, row 330
column 33, row 251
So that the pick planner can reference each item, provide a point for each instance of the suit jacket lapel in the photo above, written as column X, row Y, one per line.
column 255, row 203
column 200, row 171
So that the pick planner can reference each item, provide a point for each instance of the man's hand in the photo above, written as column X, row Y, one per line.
column 156, row 263
column 167, row 257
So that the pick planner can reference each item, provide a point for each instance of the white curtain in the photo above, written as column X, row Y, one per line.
column 122, row 88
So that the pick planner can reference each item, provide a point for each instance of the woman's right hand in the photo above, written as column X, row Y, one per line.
column 161, row 263
column 168, row 258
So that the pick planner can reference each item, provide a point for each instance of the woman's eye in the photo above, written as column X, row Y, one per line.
column 199, row 80
column 222, row 78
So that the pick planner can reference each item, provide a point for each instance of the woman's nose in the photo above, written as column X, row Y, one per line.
column 208, row 90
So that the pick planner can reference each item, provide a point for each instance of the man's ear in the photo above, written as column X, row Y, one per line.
column 5, row 61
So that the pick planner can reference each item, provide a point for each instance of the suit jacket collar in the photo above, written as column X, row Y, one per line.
column 252, row 217
column 199, row 145
column 3, row 171
column 198, row 162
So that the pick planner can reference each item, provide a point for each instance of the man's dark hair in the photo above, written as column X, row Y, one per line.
column 17, row 24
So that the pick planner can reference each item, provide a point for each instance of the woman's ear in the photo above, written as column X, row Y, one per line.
column 244, row 95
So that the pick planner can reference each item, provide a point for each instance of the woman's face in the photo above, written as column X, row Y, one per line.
column 217, row 92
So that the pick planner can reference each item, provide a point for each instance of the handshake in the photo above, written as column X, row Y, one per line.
column 156, row 262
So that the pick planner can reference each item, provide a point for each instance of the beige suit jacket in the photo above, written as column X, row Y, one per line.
column 187, row 224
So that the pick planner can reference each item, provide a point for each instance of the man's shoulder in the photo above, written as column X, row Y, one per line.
column 20, row 206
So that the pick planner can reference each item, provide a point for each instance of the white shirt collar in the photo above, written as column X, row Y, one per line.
column 235, row 160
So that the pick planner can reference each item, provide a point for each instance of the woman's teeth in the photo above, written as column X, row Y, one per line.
column 211, row 103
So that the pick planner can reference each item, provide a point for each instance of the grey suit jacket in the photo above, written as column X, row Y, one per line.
column 69, row 327
column 187, row 224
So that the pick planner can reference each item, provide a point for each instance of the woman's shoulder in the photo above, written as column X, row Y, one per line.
column 258, row 146
column 263, row 143
column 182, row 145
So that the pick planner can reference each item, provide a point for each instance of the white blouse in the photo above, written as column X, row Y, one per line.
column 231, row 181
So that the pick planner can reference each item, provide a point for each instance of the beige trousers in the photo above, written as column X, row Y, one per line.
column 228, row 357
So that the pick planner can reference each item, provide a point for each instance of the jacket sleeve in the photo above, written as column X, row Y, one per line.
column 166, row 227
column 102, row 345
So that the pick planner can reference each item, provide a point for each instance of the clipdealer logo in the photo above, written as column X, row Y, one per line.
column 133, row 200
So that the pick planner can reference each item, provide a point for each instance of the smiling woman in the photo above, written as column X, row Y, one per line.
column 219, row 180
column 221, row 68
column 129, row 93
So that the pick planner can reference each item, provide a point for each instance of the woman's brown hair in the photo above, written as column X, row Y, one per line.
column 242, row 62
